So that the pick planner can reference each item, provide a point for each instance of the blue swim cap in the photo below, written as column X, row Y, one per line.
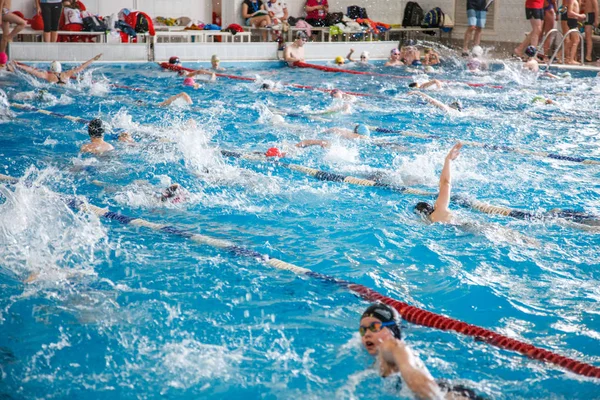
column 362, row 130
column 530, row 51
column 416, row 63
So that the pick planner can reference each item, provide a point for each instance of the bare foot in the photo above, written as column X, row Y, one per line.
column 572, row 62
column 518, row 52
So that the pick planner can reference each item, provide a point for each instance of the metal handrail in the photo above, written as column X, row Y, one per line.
column 551, row 31
column 575, row 30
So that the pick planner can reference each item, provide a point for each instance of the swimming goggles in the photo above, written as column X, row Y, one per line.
column 374, row 327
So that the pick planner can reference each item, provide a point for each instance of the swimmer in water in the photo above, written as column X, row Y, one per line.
column 215, row 62
column 174, row 194
column 364, row 57
column 295, row 51
column 395, row 59
column 423, row 86
column 440, row 212
column 190, row 81
column 381, row 336
column 55, row 74
column 360, row 132
column 531, row 63
column 97, row 145
column 447, row 108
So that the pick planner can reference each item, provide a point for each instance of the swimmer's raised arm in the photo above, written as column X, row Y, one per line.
column 349, row 56
column 83, row 66
column 414, row 373
column 443, row 200
column 200, row 72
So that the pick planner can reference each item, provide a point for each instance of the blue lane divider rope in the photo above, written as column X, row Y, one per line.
column 494, row 147
column 328, row 176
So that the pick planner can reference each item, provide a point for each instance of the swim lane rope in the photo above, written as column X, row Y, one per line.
column 494, row 147
column 409, row 313
column 333, row 177
column 177, row 68
column 300, row 64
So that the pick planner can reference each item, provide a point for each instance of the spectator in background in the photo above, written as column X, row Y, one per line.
column 277, row 11
column 8, row 17
column 549, row 19
column 316, row 12
column 50, row 10
column 476, row 14
column 255, row 14
column 590, row 9
column 534, row 12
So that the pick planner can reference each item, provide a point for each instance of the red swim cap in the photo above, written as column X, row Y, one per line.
column 274, row 152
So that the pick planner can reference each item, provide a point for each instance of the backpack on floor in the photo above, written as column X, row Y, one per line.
column 413, row 14
column 433, row 19
column 354, row 12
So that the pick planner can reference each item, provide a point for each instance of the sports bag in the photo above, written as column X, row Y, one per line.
column 91, row 23
column 433, row 19
column 354, row 12
column 413, row 14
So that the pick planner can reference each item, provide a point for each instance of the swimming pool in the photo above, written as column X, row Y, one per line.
column 114, row 311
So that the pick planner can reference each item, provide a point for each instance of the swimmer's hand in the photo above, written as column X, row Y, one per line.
column 417, row 377
column 97, row 57
column 454, row 152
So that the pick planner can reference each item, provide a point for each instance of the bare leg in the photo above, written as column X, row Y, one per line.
column 468, row 35
column 14, row 19
column 549, row 18
column 588, row 43
column 567, row 43
column 477, row 38
column 53, row 36
column 536, row 30
column 573, row 50
column 46, row 37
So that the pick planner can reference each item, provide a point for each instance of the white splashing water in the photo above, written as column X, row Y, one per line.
column 41, row 238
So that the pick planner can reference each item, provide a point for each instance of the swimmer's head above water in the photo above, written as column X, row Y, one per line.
column 174, row 60
column 378, row 323
column 55, row 67
column 337, row 94
column 456, row 105
column 96, row 128
column 424, row 209
column 362, row 129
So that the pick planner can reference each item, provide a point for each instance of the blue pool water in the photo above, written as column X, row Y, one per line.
column 114, row 311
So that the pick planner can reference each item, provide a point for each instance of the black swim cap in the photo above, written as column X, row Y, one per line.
column 384, row 313
column 96, row 128
column 266, row 86
column 424, row 208
column 412, row 84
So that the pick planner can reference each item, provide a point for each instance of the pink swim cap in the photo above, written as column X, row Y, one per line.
column 3, row 58
column 189, row 82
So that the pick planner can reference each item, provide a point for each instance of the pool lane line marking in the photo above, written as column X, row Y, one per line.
column 178, row 68
column 349, row 71
column 458, row 199
column 410, row 313
column 333, row 177
column 493, row 147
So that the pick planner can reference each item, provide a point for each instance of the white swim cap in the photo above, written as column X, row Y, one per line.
column 56, row 67
column 277, row 119
column 364, row 54
column 477, row 51
column 428, row 68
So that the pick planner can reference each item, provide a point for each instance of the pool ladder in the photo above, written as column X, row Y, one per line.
column 561, row 45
